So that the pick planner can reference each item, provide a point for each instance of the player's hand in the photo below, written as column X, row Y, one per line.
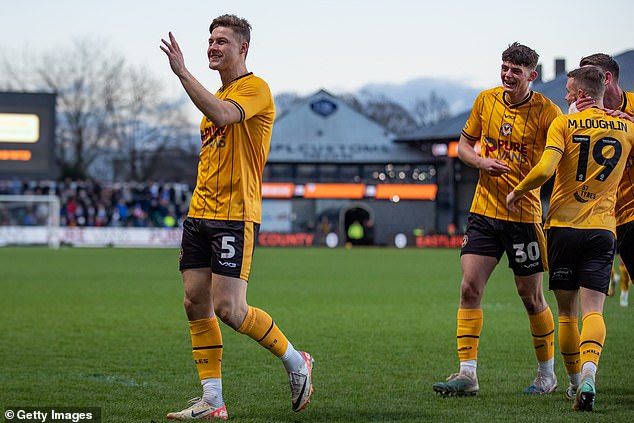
column 494, row 167
column 511, row 201
column 619, row 114
column 174, row 54
column 584, row 103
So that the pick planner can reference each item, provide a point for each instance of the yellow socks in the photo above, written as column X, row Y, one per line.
column 468, row 333
column 543, row 330
column 625, row 277
column 206, row 347
column 260, row 326
column 569, row 343
column 592, row 338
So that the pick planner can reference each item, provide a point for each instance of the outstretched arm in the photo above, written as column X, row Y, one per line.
column 220, row 112
column 544, row 169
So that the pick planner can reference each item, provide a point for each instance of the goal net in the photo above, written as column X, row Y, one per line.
column 29, row 220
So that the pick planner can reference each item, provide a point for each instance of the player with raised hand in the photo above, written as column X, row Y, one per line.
column 220, row 232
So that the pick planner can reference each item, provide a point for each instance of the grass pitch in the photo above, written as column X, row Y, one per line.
column 106, row 328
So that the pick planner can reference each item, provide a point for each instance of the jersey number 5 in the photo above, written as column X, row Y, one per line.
column 228, row 250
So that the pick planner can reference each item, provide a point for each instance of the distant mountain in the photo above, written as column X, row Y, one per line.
column 459, row 97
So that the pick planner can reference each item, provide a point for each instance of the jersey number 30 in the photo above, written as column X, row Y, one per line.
column 529, row 251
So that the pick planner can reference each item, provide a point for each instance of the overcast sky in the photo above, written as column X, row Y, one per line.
column 340, row 45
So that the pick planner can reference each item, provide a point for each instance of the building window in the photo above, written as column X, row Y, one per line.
column 276, row 172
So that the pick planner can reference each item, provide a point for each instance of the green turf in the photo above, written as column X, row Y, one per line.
column 106, row 328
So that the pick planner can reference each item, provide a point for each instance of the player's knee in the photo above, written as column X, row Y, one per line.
column 229, row 313
column 195, row 309
column 534, row 302
column 470, row 292
column 188, row 305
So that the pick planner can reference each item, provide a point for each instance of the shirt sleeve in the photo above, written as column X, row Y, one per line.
column 473, row 127
column 540, row 173
column 251, row 99
column 553, row 152
column 545, row 168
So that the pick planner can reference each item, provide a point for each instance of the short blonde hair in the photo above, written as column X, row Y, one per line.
column 239, row 25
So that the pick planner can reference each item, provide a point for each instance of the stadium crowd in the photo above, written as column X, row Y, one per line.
column 92, row 203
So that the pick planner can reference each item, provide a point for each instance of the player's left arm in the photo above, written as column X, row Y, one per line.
column 538, row 175
column 545, row 168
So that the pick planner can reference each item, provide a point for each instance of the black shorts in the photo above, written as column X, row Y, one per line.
column 580, row 257
column 625, row 244
column 524, row 243
column 226, row 246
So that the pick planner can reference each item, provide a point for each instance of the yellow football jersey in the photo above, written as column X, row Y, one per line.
column 595, row 148
column 232, row 157
column 625, row 195
column 515, row 134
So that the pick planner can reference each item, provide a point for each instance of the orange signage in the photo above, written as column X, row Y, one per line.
column 15, row 155
column 334, row 191
column 406, row 191
column 452, row 149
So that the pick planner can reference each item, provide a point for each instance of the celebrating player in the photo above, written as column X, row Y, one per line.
column 588, row 150
column 511, row 123
column 617, row 99
column 223, row 221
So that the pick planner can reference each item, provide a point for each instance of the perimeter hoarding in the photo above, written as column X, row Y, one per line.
column 27, row 134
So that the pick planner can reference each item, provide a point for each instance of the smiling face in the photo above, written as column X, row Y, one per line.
column 516, row 80
column 226, row 50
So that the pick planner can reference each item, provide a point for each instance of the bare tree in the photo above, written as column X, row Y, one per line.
column 431, row 110
column 145, row 125
column 105, row 108
column 284, row 101
column 396, row 117
column 387, row 112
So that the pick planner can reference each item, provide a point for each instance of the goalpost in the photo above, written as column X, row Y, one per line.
column 29, row 220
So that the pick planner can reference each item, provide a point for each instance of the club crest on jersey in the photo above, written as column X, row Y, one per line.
column 506, row 129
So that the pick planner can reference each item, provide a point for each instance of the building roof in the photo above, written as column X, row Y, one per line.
column 324, row 128
column 555, row 89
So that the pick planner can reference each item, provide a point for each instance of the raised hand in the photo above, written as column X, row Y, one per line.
column 174, row 54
